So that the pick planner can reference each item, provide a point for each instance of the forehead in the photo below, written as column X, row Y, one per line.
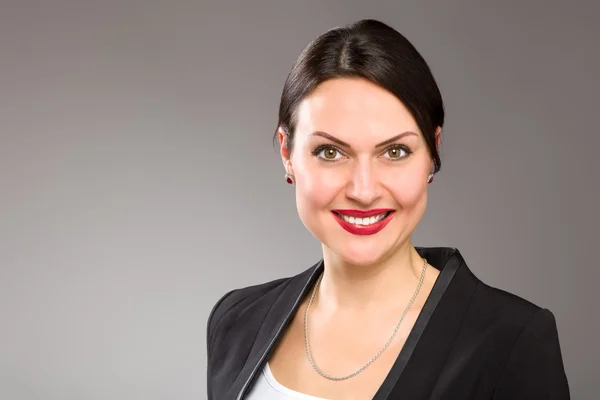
column 352, row 108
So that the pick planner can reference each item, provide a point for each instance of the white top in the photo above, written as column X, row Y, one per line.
column 267, row 388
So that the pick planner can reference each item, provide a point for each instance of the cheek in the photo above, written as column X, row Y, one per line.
column 316, row 190
column 408, row 192
column 316, row 187
column 409, row 189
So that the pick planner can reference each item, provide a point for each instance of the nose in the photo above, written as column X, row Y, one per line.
column 363, row 186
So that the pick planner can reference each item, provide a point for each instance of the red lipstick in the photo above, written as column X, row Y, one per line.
column 363, row 229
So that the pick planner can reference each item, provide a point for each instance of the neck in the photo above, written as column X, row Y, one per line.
column 357, row 287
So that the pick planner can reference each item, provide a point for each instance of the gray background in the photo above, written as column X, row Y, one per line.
column 138, row 182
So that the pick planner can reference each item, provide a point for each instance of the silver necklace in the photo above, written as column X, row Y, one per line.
column 358, row 371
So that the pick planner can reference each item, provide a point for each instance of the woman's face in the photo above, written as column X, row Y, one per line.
column 358, row 149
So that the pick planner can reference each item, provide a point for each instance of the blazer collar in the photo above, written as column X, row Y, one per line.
column 447, row 260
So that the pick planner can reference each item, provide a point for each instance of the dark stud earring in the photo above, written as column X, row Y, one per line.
column 290, row 179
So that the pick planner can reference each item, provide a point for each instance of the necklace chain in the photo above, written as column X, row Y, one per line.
column 358, row 371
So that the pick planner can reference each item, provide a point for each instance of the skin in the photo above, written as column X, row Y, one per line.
column 368, row 280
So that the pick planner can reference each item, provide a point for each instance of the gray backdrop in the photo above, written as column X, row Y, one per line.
column 138, row 182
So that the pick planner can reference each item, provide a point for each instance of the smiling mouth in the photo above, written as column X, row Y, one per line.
column 364, row 221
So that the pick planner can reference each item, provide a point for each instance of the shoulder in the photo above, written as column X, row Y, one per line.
column 248, row 305
column 518, row 337
column 497, row 317
column 502, row 301
column 509, row 307
column 238, row 299
column 243, row 295
column 529, row 336
column 528, row 332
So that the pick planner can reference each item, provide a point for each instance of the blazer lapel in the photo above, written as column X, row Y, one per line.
column 420, row 361
column 277, row 319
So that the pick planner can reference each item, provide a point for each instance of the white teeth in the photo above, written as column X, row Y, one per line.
column 364, row 221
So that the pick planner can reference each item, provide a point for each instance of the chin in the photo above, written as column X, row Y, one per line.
column 359, row 250
column 360, row 254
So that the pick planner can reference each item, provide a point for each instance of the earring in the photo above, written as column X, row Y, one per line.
column 290, row 179
column 430, row 178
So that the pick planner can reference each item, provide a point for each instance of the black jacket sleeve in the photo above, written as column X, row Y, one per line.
column 216, row 313
column 535, row 369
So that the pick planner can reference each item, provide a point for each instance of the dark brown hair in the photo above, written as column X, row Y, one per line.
column 372, row 50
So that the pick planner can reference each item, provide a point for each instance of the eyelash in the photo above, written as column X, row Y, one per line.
column 330, row 146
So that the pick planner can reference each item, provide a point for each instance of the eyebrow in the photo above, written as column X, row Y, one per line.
column 342, row 143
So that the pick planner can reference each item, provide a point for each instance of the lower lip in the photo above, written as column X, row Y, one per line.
column 364, row 229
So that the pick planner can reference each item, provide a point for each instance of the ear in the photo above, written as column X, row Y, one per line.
column 438, row 137
column 438, row 140
column 284, row 151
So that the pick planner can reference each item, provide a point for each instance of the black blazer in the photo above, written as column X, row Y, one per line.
column 470, row 341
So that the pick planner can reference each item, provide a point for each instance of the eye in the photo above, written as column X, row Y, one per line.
column 328, row 153
column 396, row 152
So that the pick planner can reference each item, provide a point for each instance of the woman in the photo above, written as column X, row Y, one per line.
column 359, row 130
